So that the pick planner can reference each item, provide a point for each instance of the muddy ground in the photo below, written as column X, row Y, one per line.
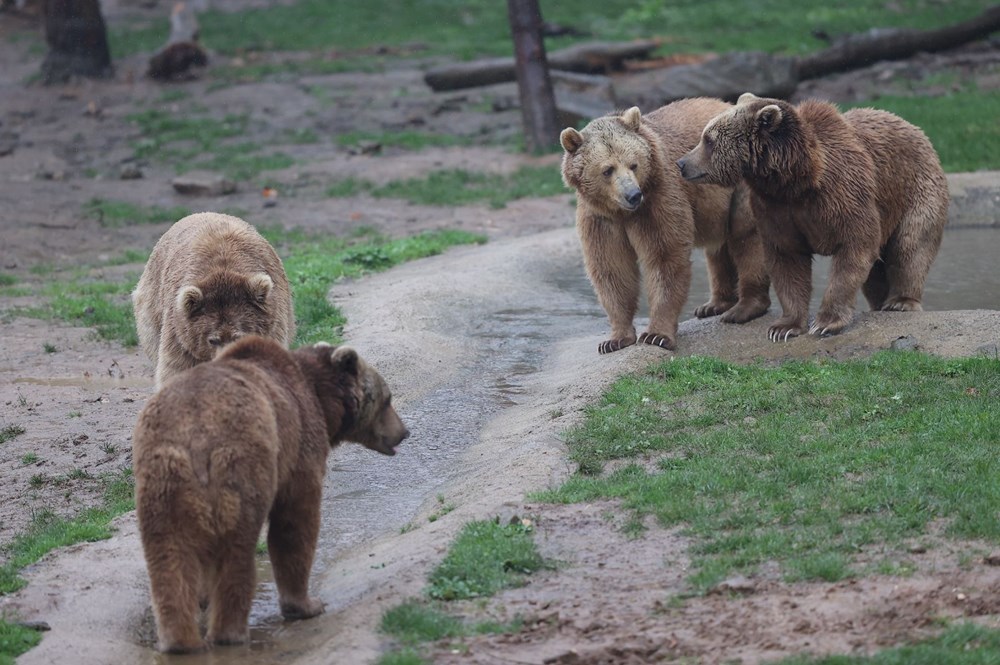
column 520, row 353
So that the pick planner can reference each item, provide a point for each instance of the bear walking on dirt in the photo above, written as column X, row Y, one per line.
column 864, row 186
column 210, row 279
column 634, row 210
column 234, row 442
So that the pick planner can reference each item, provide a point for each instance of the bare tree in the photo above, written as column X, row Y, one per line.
column 77, row 39
column 538, row 106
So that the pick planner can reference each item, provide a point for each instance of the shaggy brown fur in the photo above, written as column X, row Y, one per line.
column 229, row 444
column 210, row 279
column 865, row 187
column 634, row 211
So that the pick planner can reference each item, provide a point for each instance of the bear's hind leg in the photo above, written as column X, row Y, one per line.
column 722, row 280
column 232, row 595
column 908, row 257
column 175, row 578
column 876, row 287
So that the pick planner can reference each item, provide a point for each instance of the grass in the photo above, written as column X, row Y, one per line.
column 963, row 131
column 104, row 306
column 964, row 644
column 48, row 531
column 29, row 458
column 15, row 640
column 485, row 558
column 805, row 464
column 8, row 432
column 315, row 262
column 469, row 28
column 116, row 214
column 453, row 187
column 7, row 279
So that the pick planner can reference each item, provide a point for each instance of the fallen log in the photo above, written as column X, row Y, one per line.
column 588, row 58
column 861, row 50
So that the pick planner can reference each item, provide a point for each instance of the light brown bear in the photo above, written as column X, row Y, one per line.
column 865, row 187
column 634, row 211
column 232, row 443
column 210, row 280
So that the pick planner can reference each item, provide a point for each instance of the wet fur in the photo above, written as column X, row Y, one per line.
column 210, row 279
column 865, row 187
column 654, row 240
column 228, row 445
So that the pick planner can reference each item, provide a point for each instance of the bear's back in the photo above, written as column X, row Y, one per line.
column 679, row 124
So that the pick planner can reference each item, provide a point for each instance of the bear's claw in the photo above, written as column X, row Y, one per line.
column 782, row 333
column 661, row 341
column 612, row 345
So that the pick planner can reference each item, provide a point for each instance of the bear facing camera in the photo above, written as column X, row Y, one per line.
column 638, row 219
column 229, row 444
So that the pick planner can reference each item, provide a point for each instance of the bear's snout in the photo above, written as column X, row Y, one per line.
column 633, row 197
column 688, row 172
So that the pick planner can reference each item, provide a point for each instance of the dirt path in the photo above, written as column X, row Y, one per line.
column 518, row 358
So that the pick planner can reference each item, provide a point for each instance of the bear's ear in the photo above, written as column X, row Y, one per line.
column 769, row 117
column 632, row 118
column 345, row 358
column 189, row 299
column 746, row 98
column 260, row 285
column 571, row 140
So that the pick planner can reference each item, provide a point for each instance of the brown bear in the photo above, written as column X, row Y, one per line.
column 865, row 187
column 210, row 279
column 634, row 211
column 234, row 442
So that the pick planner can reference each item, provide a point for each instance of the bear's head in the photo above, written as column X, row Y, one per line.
column 220, row 309
column 743, row 141
column 609, row 162
column 354, row 397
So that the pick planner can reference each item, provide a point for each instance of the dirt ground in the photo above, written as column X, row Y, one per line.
column 65, row 145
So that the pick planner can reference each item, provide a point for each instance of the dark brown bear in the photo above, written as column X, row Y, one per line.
column 865, row 187
column 234, row 442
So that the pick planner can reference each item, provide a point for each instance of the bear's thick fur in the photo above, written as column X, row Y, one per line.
column 210, row 280
column 634, row 210
column 232, row 443
column 865, row 187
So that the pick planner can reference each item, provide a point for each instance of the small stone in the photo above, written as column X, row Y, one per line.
column 917, row 549
column 203, row 184
column 736, row 584
column 992, row 559
column 131, row 172
column 904, row 343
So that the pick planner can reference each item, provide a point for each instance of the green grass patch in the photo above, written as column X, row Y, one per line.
column 960, row 124
column 414, row 622
column 485, row 558
column 104, row 306
column 243, row 161
column 806, row 463
column 314, row 262
column 8, row 432
column 29, row 458
column 48, row 531
column 115, row 214
column 15, row 640
column 469, row 28
column 964, row 644
column 407, row 656
column 291, row 70
column 453, row 187
column 7, row 279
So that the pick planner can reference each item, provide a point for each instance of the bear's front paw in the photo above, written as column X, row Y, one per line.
column 712, row 308
column 782, row 332
column 303, row 610
column 829, row 323
column 612, row 345
column 900, row 304
column 662, row 341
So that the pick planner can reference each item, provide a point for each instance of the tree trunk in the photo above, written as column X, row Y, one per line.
column 77, row 39
column 538, row 106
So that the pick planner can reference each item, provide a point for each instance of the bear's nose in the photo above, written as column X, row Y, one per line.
column 681, row 163
column 633, row 198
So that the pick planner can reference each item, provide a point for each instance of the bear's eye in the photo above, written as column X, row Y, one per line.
column 608, row 171
column 634, row 167
column 708, row 140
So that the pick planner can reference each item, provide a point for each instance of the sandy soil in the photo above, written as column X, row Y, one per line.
column 428, row 326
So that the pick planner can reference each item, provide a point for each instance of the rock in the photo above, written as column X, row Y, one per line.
column 991, row 350
column 992, row 559
column 199, row 183
column 917, row 549
column 130, row 172
column 736, row 584
column 904, row 343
